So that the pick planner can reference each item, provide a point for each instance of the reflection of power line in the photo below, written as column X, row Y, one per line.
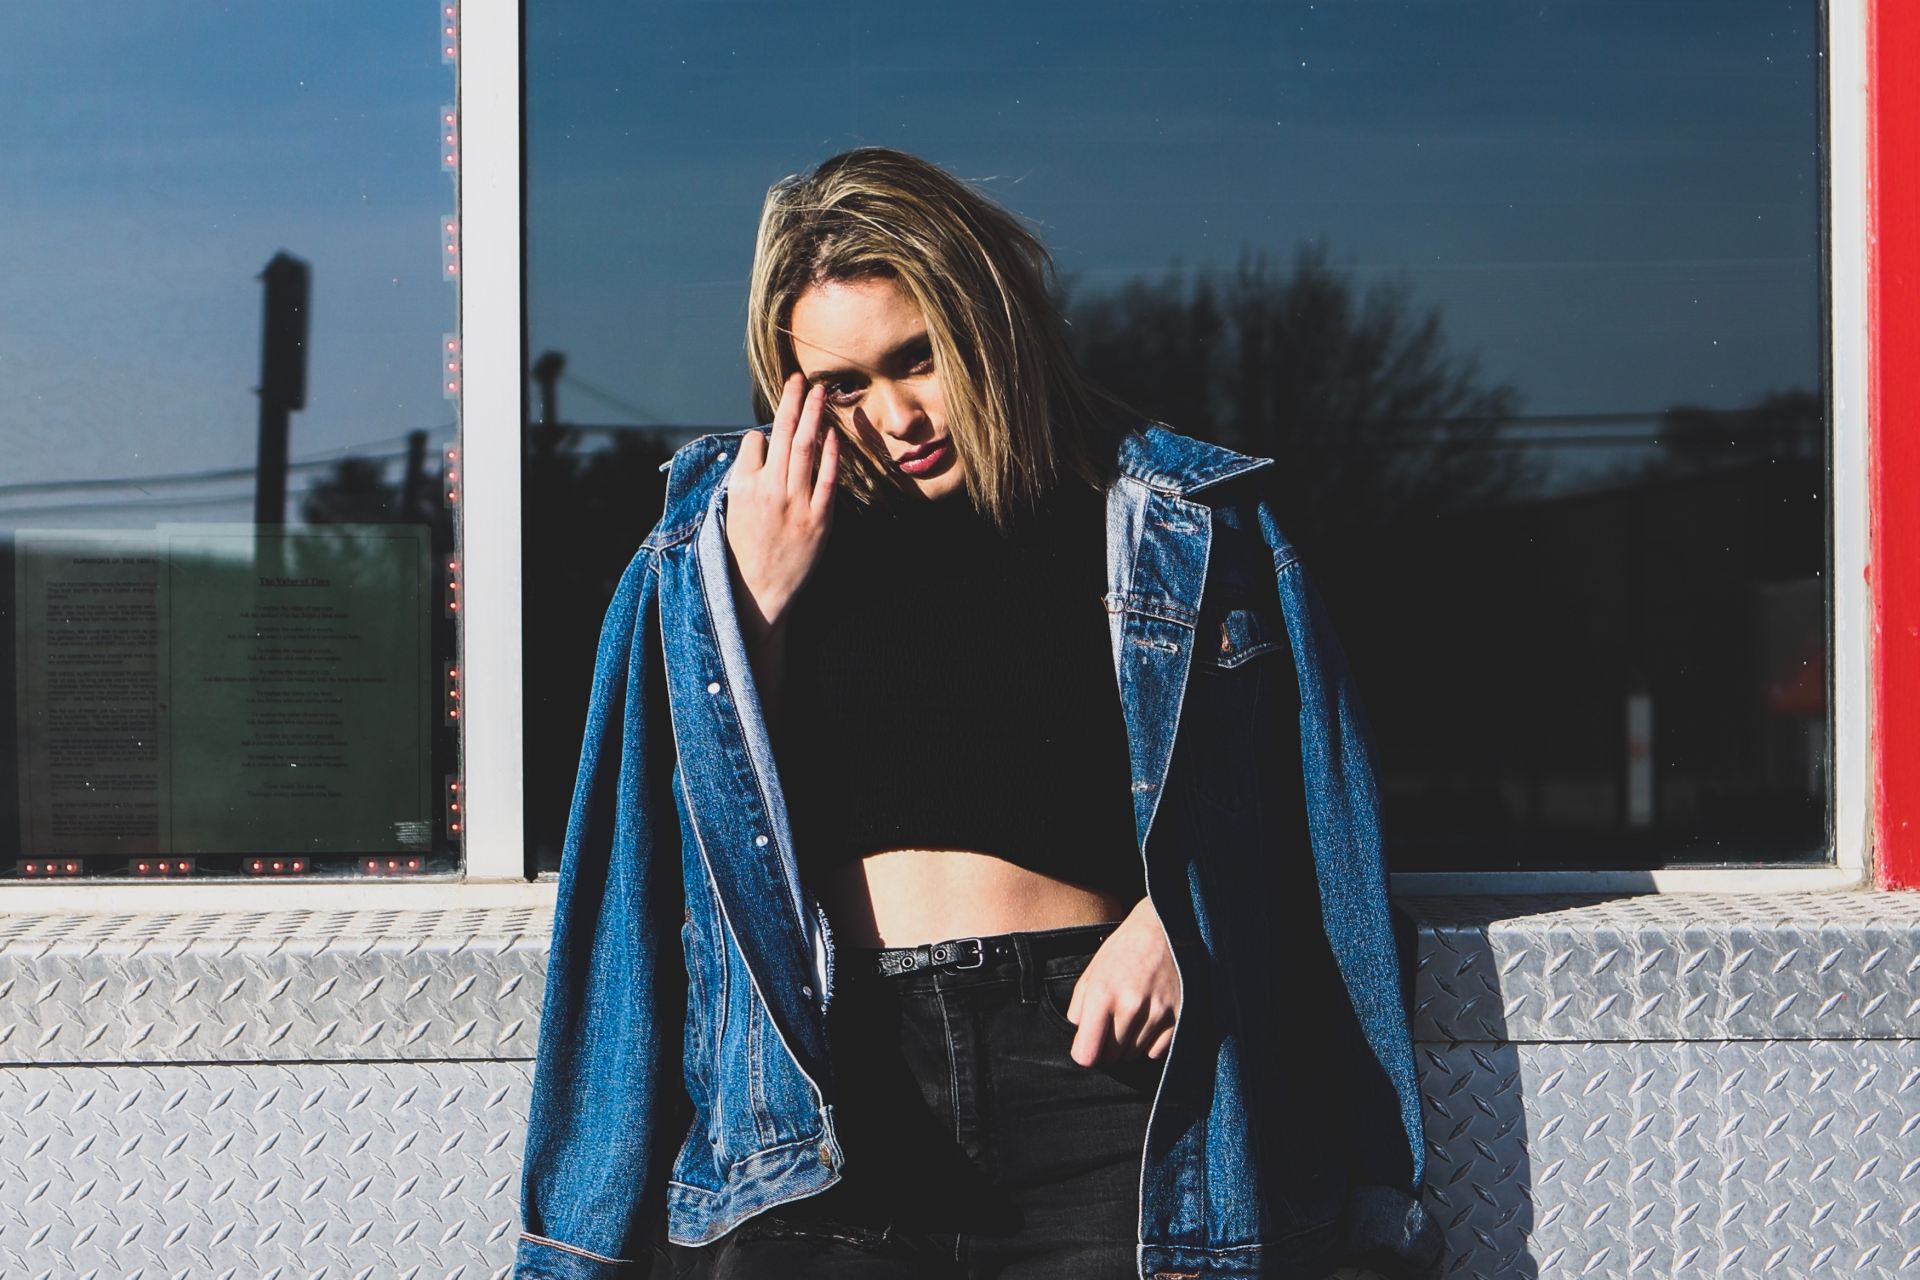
column 308, row 463
column 1708, row 420
column 1653, row 417
column 1640, row 429
column 648, row 428
column 1402, row 440
column 133, row 504
column 607, row 397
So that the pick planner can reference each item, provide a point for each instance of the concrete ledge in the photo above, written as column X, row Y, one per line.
column 462, row 983
column 276, row 986
column 1668, row 967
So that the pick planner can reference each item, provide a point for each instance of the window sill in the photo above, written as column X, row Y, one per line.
column 1666, row 967
column 1673, row 880
column 415, row 893
column 456, row 971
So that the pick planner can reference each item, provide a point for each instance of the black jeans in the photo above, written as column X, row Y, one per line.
column 975, row 1147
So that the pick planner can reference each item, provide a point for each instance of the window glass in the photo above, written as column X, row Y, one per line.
column 1527, row 300
column 226, row 626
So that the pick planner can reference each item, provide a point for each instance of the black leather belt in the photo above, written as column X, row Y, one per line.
column 972, row 953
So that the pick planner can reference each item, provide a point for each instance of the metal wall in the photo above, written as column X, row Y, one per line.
column 1683, row 1085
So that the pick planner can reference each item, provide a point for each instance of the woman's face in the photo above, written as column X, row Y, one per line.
column 866, row 342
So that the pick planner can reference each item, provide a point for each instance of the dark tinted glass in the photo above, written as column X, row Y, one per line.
column 1527, row 299
column 224, row 540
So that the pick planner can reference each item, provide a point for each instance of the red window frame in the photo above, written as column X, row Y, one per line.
column 1893, row 108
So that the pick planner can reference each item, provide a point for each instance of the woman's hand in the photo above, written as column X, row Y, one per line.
column 1128, row 996
column 780, row 506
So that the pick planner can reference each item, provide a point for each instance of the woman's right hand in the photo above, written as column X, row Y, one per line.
column 780, row 505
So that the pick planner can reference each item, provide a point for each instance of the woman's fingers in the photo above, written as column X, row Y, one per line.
column 756, row 446
column 1138, row 1025
column 1090, row 1040
column 752, row 455
column 778, row 513
column 829, row 472
column 1113, row 1028
column 804, row 451
column 785, row 418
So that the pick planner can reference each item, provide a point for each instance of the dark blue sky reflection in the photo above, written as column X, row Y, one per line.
column 1615, row 205
column 156, row 157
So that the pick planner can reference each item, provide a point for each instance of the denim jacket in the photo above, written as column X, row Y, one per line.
column 688, row 1088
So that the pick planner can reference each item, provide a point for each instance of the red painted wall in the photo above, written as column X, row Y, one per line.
column 1894, row 411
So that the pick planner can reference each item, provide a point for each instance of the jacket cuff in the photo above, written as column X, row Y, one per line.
column 538, row 1258
column 1392, row 1231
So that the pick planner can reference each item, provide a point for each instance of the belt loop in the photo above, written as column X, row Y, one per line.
column 1029, row 967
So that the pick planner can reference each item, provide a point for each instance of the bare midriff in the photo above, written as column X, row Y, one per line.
column 904, row 897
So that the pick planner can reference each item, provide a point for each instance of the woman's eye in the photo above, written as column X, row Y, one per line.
column 840, row 392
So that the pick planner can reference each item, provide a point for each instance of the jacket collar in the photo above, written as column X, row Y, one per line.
column 1161, row 458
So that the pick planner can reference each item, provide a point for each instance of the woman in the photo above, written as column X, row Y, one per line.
column 1020, row 657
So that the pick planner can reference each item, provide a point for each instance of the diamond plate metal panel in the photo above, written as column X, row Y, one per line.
column 1723, row 1085
column 348, row 1170
column 1753, row 1158
column 1669, row 967
column 272, row 986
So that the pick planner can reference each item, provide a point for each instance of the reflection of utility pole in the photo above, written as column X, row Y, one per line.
column 1642, row 801
column 411, row 487
column 283, row 378
column 546, row 371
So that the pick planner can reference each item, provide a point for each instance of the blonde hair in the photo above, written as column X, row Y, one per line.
column 1018, row 409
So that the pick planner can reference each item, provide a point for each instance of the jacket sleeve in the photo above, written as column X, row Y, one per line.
column 1386, row 1225
column 593, row 1179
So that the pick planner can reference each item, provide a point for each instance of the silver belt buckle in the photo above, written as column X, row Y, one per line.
column 942, row 953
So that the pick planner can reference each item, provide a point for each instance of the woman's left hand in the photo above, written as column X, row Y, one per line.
column 1128, row 996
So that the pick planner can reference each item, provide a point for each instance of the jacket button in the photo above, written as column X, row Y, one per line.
column 826, row 1155
column 713, row 686
column 807, row 992
column 761, row 841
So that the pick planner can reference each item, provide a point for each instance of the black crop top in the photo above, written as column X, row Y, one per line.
column 948, row 687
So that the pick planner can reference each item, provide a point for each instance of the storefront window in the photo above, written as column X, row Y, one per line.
column 1528, row 300
column 227, row 566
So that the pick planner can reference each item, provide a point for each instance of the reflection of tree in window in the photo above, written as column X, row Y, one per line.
column 1586, row 639
column 1355, row 392
column 591, row 496
column 1504, row 609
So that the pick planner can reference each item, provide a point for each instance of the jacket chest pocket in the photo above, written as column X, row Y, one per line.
column 1241, row 689
column 1237, row 633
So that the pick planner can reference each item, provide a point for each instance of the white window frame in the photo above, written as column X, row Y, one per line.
column 491, row 411
column 491, row 387
column 492, row 393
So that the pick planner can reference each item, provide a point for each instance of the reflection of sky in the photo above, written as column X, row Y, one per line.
column 156, row 157
column 1616, row 204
